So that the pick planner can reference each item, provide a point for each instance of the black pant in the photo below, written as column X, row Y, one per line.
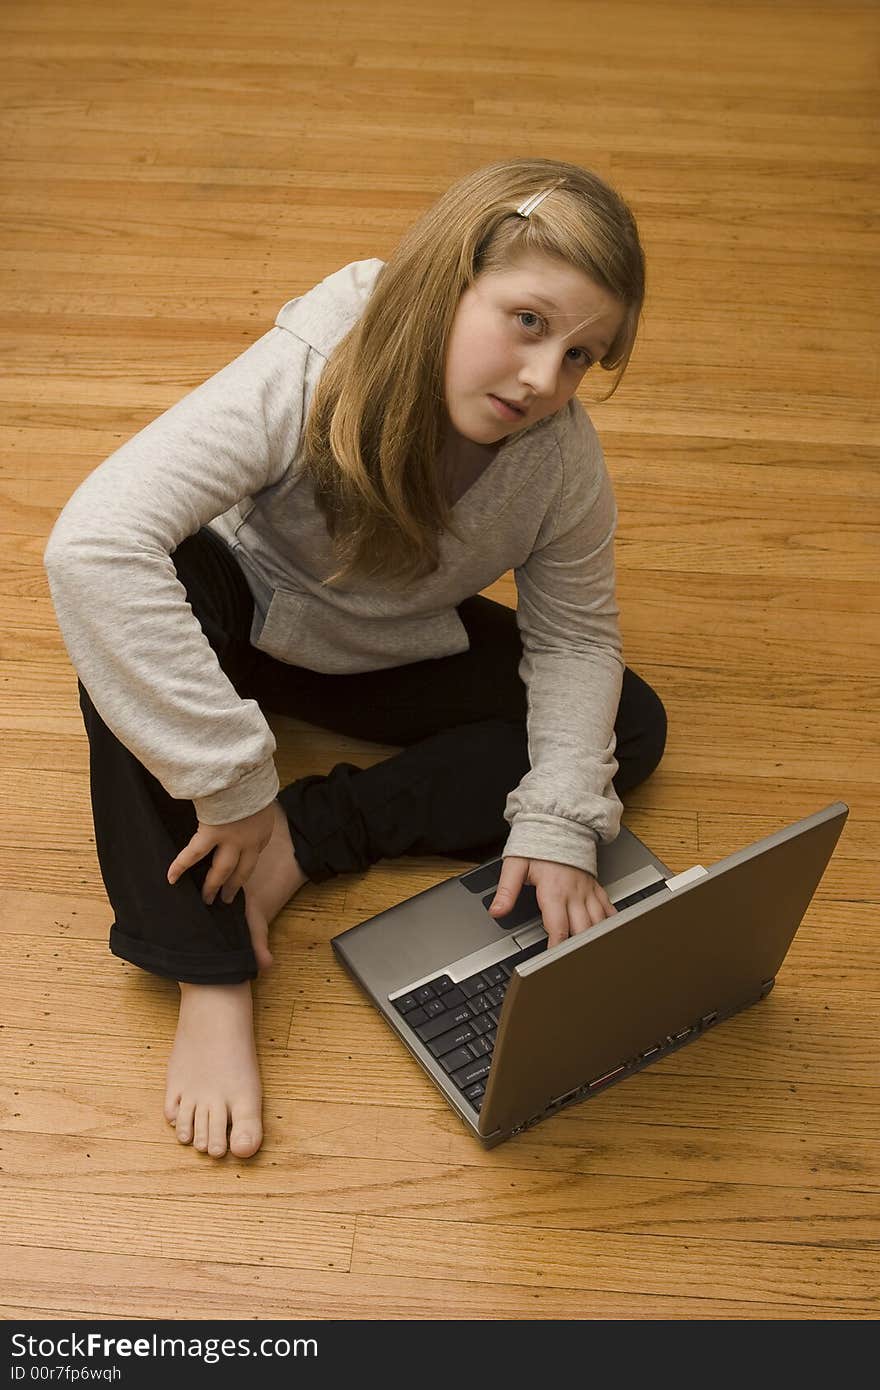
column 461, row 722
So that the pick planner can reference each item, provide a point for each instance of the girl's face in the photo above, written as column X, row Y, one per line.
column 524, row 335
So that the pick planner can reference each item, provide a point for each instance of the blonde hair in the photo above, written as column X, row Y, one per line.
column 375, row 429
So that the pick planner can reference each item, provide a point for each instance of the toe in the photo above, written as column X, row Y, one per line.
column 200, row 1129
column 247, row 1133
column 259, row 933
column 184, row 1121
column 218, row 1120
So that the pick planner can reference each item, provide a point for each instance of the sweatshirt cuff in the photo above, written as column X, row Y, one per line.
column 255, row 790
column 552, row 838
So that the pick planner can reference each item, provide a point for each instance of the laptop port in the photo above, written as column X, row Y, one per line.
column 603, row 1080
column 651, row 1052
column 708, row 1019
column 685, row 1033
column 563, row 1100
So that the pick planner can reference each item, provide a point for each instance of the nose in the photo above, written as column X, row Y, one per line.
column 540, row 371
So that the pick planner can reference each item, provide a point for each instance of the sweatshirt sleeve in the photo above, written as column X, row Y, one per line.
column 573, row 671
column 128, row 628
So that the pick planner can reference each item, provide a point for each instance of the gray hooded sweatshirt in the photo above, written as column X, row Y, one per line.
column 229, row 455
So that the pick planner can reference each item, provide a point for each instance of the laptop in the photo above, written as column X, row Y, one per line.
column 511, row 1031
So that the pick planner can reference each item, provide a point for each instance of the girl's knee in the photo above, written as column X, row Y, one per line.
column 656, row 727
column 641, row 732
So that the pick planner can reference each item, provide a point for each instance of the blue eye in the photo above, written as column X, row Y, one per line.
column 586, row 360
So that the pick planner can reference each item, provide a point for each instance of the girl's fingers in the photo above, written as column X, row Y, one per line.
column 598, row 906
column 562, row 916
column 223, row 865
column 554, row 914
column 596, row 910
column 197, row 848
column 606, row 902
column 579, row 918
column 246, row 865
column 230, row 887
column 569, row 918
column 513, row 873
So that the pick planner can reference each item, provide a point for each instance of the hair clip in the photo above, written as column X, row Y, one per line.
column 536, row 199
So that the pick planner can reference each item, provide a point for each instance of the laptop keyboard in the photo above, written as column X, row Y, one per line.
column 458, row 1022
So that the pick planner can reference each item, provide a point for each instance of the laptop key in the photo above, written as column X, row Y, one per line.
column 415, row 1017
column 405, row 1003
column 475, row 1072
column 494, row 975
column 474, row 1092
column 435, row 1026
column 435, row 1007
column 453, row 996
column 495, row 996
column 424, row 994
column 480, row 1047
column 481, row 1024
column 453, row 1060
column 479, row 1004
column 475, row 985
column 456, row 1037
column 442, row 984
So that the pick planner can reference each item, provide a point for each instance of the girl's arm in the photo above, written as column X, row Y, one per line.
column 573, row 669
column 122, row 611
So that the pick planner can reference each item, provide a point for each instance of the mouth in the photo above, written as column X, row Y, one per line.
column 506, row 409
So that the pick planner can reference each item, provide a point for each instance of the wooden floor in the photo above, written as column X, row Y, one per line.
column 173, row 173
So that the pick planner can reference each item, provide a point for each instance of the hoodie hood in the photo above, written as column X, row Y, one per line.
column 324, row 315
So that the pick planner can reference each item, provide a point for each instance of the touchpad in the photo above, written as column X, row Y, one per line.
column 525, row 909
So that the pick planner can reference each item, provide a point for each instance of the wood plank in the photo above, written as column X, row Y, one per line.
column 281, row 1235
column 113, row 1285
column 748, row 1132
column 53, row 1313
column 803, row 1276
column 314, row 1199
column 391, row 1081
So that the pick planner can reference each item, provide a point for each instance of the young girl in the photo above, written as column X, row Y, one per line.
column 307, row 533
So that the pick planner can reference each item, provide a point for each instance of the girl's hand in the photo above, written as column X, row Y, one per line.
column 237, row 846
column 570, row 899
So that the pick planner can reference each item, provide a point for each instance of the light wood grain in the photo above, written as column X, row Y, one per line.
column 171, row 176
column 124, row 1285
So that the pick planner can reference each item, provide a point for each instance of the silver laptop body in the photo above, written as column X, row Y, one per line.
column 683, row 953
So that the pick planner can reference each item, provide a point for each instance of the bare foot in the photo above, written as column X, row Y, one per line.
column 274, row 881
column 213, row 1073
